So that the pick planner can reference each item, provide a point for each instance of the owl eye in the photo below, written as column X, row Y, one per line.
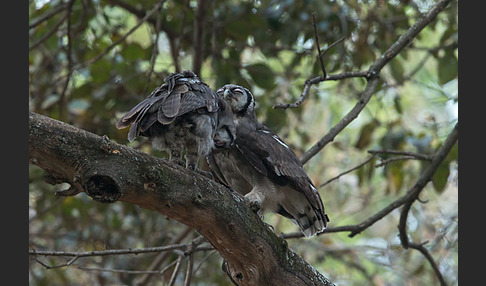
column 239, row 90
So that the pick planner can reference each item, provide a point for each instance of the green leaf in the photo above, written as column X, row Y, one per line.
column 448, row 67
column 366, row 133
column 395, row 176
column 133, row 52
column 262, row 75
column 100, row 71
column 396, row 68
column 439, row 180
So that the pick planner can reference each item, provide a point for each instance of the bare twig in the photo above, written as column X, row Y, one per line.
column 71, row 261
column 348, row 171
column 155, row 50
column 417, row 156
column 311, row 81
column 315, row 80
column 190, row 265
column 202, row 261
column 176, row 270
column 330, row 47
column 393, row 159
column 143, row 280
column 49, row 14
column 34, row 252
column 319, row 54
column 69, row 59
column 151, row 272
column 420, row 247
column 199, row 34
column 163, row 270
column 404, row 156
column 402, row 228
column 48, row 34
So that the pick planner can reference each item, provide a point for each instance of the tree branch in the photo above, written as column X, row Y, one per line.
column 348, row 171
column 110, row 172
column 372, row 76
column 199, row 33
column 49, row 14
column 318, row 47
column 363, row 100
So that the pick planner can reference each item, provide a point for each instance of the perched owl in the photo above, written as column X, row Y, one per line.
column 179, row 116
column 264, row 169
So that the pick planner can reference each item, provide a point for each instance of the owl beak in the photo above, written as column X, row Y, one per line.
column 226, row 93
column 229, row 95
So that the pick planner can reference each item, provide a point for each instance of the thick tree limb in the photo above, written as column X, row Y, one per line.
column 110, row 172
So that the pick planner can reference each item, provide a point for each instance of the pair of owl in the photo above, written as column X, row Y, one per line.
column 186, row 115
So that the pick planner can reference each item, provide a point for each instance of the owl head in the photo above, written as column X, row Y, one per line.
column 239, row 98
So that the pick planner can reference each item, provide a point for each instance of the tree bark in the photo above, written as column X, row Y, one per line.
column 110, row 172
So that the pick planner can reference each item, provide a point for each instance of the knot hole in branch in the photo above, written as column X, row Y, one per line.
column 102, row 188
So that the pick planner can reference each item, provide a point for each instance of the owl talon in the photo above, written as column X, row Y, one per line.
column 269, row 226
column 178, row 162
column 255, row 206
column 204, row 173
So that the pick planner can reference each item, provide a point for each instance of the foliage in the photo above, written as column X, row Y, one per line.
column 78, row 75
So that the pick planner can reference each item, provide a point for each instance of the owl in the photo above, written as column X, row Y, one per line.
column 263, row 168
column 181, row 115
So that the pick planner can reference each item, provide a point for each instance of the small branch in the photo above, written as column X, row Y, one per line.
column 331, row 46
column 34, row 252
column 405, row 156
column 48, row 15
column 157, row 262
column 71, row 261
column 69, row 59
column 399, row 158
column 48, row 34
column 190, row 265
column 348, row 171
column 176, row 271
column 417, row 156
column 420, row 247
column 348, row 118
column 118, row 270
column 319, row 54
column 312, row 81
column 402, row 229
column 155, row 50
column 199, row 35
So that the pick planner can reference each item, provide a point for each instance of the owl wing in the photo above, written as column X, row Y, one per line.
column 181, row 93
column 269, row 154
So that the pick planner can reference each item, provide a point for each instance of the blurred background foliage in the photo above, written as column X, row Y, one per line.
column 85, row 70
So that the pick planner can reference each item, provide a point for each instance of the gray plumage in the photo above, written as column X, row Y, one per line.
column 179, row 116
column 264, row 169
